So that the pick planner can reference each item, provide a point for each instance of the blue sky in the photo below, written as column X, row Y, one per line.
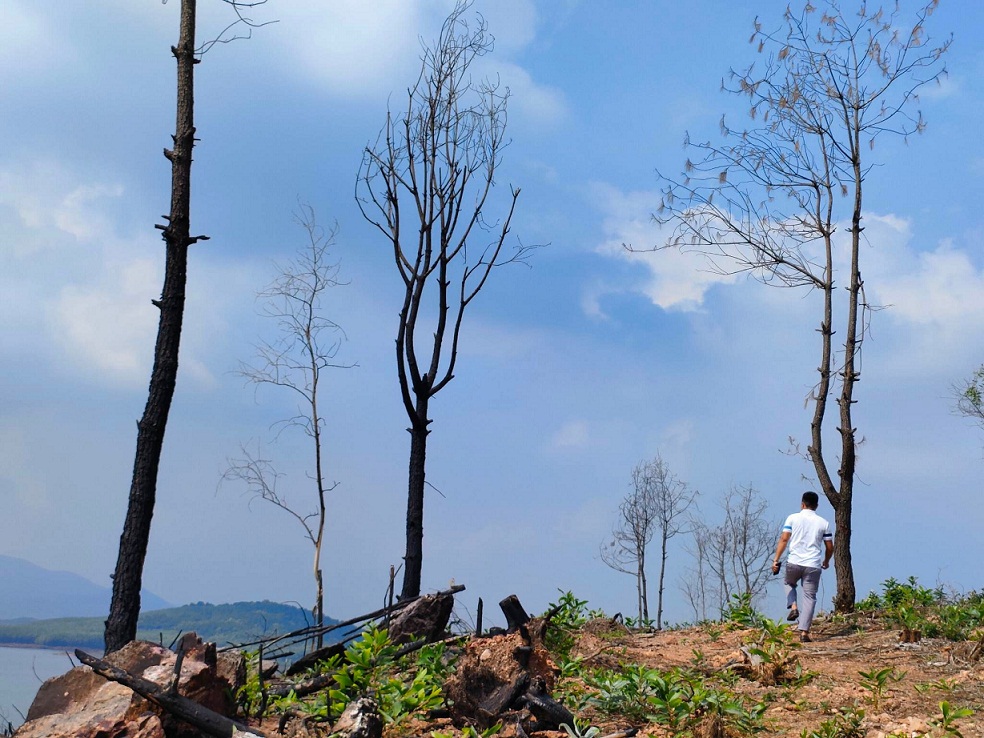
column 570, row 373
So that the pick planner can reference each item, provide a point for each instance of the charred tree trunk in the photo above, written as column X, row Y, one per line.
column 121, row 626
column 413, row 560
column 846, row 594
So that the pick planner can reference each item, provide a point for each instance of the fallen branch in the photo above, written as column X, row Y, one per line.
column 314, row 630
column 181, row 707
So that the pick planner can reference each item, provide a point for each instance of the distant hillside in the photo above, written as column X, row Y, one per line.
column 30, row 591
column 240, row 622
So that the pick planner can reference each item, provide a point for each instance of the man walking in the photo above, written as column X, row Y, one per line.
column 810, row 548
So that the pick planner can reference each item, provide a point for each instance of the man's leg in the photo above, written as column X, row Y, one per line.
column 811, row 582
column 793, row 574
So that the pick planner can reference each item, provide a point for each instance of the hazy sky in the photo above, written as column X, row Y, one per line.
column 570, row 372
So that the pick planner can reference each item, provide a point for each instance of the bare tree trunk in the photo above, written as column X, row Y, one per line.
column 413, row 560
column 121, row 626
column 643, row 590
column 662, row 577
column 846, row 593
column 319, row 615
column 320, row 479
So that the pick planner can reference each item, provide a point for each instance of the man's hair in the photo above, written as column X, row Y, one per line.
column 811, row 500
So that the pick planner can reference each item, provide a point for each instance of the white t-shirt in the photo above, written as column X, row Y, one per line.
column 808, row 531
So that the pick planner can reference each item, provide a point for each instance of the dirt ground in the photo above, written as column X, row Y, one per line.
column 934, row 670
column 942, row 670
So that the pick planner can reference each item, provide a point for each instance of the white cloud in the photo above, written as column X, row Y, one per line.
column 673, row 279
column 353, row 47
column 511, row 22
column 108, row 325
column 77, row 213
column 942, row 88
column 25, row 36
column 574, row 434
column 369, row 50
column 540, row 105
column 79, row 288
column 934, row 298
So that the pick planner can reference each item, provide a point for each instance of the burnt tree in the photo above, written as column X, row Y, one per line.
column 424, row 185
column 121, row 626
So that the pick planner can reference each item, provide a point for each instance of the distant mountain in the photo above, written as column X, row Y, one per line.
column 238, row 623
column 29, row 591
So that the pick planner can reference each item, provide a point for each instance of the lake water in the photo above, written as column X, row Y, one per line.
column 22, row 670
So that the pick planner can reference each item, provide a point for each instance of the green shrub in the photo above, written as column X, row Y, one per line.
column 739, row 611
column 846, row 724
column 680, row 700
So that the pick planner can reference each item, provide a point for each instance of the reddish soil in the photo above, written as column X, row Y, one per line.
column 934, row 670
column 941, row 670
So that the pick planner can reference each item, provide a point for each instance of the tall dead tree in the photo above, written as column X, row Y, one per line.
column 770, row 199
column 121, row 626
column 424, row 185
column 124, row 609
column 306, row 344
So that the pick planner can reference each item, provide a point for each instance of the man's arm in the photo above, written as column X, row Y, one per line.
column 829, row 546
column 780, row 547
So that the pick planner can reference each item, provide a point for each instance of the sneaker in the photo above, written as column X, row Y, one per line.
column 805, row 637
column 793, row 615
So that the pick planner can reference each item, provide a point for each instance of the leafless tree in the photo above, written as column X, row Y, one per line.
column 657, row 503
column 769, row 199
column 731, row 558
column 124, row 608
column 307, row 344
column 424, row 185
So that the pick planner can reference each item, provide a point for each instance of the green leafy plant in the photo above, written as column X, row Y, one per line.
column 581, row 729
column 775, row 646
column 946, row 724
column 876, row 681
column 640, row 623
column 930, row 612
column 944, row 685
column 570, row 687
column 250, row 695
column 740, row 612
column 369, row 666
column 471, row 732
column 846, row 724
column 567, row 615
column 685, row 702
column 714, row 632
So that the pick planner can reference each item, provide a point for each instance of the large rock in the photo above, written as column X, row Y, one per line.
column 360, row 719
column 81, row 704
column 426, row 617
